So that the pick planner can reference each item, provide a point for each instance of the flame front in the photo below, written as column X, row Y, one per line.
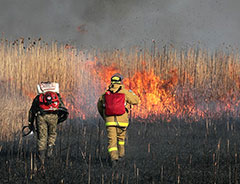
column 158, row 97
column 180, row 91
column 167, row 98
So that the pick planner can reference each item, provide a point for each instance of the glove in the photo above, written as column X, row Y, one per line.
column 131, row 92
column 62, row 114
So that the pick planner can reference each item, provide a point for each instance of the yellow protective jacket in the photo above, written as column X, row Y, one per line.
column 121, row 120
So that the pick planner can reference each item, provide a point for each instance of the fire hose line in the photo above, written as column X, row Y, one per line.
column 29, row 132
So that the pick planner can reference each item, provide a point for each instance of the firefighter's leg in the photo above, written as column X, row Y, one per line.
column 41, row 155
column 121, row 134
column 52, row 120
column 42, row 131
column 112, row 142
column 42, row 137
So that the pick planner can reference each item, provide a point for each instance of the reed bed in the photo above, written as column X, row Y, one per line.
column 190, row 83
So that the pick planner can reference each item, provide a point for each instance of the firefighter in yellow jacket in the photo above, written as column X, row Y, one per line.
column 112, row 107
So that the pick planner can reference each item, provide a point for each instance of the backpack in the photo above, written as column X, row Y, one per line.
column 49, row 101
column 114, row 103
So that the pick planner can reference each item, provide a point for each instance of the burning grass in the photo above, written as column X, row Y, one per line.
column 189, row 84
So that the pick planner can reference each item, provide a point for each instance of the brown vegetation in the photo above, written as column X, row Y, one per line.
column 176, row 86
column 192, row 83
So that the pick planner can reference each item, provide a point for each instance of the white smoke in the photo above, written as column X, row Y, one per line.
column 117, row 24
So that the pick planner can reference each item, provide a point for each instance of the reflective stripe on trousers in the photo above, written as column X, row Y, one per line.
column 112, row 149
column 121, row 142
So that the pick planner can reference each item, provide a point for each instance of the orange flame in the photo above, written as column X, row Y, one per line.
column 160, row 98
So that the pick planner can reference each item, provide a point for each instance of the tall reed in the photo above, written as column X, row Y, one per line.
column 202, row 76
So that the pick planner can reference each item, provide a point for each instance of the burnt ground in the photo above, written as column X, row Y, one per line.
column 156, row 152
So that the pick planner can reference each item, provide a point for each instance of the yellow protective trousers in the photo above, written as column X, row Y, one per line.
column 116, row 141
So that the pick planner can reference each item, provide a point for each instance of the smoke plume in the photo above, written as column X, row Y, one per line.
column 117, row 24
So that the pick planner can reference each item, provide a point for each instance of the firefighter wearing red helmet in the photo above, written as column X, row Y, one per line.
column 112, row 107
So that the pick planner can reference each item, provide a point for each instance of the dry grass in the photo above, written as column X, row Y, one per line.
column 192, row 74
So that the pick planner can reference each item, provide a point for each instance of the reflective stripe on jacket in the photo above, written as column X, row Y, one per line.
column 121, row 124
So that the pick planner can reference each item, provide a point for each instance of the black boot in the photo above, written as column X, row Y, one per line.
column 50, row 151
column 41, row 156
column 121, row 159
column 114, row 163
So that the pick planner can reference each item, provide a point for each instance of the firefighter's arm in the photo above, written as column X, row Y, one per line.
column 100, row 106
column 132, row 98
column 33, row 110
column 61, row 104
column 62, row 110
